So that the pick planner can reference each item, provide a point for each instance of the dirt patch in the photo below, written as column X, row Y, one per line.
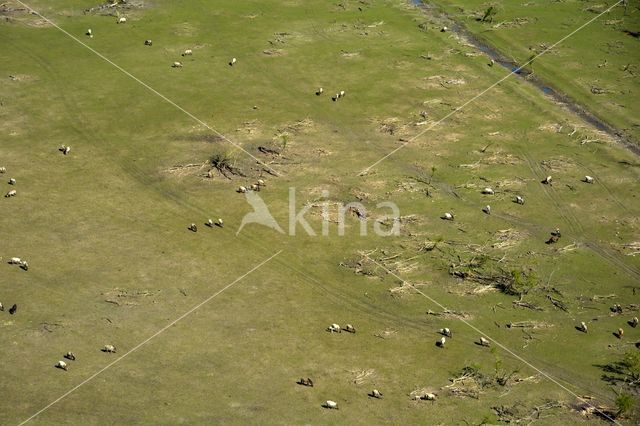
column 550, row 127
column 473, row 290
column 22, row 78
column 274, row 52
column 447, row 82
column 472, row 166
column 249, row 127
column 406, row 288
column 529, row 324
column 114, row 7
column 517, row 22
column 501, row 157
column 299, row 127
column 492, row 116
column 578, row 132
column 388, row 126
column 360, row 195
column 558, row 164
column 447, row 313
column 187, row 169
column 391, row 126
column 285, row 136
column 410, row 186
column 510, row 184
column 613, row 22
column 360, row 377
column 326, row 210
column 123, row 297
column 321, row 152
column 596, row 8
column 349, row 55
column 13, row 12
column 386, row 334
column 280, row 38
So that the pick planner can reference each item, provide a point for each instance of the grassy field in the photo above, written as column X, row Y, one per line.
column 597, row 66
column 111, row 261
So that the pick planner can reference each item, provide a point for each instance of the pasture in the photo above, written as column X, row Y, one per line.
column 596, row 66
column 111, row 261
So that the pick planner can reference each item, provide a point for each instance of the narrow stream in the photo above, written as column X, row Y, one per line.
column 526, row 75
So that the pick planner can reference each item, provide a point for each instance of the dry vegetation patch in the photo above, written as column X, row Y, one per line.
column 124, row 297
column 360, row 377
column 377, row 262
column 392, row 126
column 508, row 238
column 558, row 164
column 436, row 81
column 406, row 288
column 14, row 12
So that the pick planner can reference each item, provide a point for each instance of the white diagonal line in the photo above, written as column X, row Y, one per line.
column 503, row 347
column 513, row 72
column 146, row 86
column 147, row 340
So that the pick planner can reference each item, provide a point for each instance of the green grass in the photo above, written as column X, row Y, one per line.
column 110, row 216
column 600, row 55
